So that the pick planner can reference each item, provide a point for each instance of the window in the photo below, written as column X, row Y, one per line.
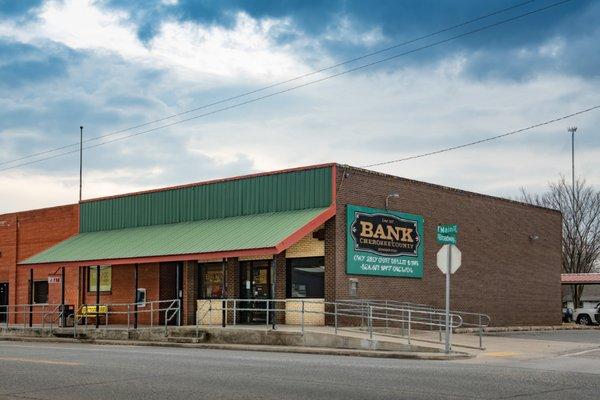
column 40, row 292
column 211, row 281
column 105, row 279
column 306, row 278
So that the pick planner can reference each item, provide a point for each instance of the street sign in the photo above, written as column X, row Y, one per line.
column 449, row 259
column 448, row 229
column 447, row 234
column 443, row 258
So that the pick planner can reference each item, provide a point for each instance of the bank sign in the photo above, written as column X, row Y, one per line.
column 383, row 243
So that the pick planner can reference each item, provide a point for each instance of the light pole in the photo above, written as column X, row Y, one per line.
column 80, row 161
column 572, row 130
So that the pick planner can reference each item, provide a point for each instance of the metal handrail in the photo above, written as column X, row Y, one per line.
column 481, row 320
column 50, row 313
column 385, row 316
column 485, row 319
column 176, row 312
column 172, row 308
column 29, row 310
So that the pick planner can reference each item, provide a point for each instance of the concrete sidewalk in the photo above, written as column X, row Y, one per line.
column 285, row 338
column 409, row 355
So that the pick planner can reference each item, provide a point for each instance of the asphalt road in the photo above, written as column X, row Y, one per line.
column 79, row 371
column 572, row 336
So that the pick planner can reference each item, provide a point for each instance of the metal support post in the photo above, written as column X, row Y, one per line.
column 63, row 315
column 371, row 322
column 480, row 334
column 302, row 317
column 31, row 297
column 335, row 317
column 135, row 306
column 267, row 315
column 179, row 293
column 447, row 346
column 223, row 314
column 97, row 296
column 409, row 316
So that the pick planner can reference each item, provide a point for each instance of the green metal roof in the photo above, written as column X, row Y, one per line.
column 254, row 231
column 282, row 191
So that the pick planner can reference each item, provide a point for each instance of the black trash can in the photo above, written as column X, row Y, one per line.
column 68, row 316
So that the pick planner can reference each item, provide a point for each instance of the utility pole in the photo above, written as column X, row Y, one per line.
column 80, row 160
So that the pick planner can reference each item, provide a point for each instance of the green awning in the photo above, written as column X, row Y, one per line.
column 268, row 233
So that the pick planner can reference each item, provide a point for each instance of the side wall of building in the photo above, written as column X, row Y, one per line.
column 504, row 273
column 24, row 234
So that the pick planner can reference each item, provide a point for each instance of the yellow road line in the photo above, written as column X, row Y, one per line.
column 38, row 361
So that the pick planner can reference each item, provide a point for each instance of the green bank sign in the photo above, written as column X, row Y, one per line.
column 383, row 243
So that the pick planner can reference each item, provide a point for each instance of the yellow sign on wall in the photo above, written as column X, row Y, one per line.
column 105, row 279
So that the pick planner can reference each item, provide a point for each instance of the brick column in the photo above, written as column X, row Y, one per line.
column 280, row 284
column 232, row 278
column 330, row 268
column 232, row 283
column 190, row 292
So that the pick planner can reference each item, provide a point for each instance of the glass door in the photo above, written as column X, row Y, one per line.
column 255, row 284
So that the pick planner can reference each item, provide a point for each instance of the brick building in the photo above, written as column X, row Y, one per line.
column 325, row 232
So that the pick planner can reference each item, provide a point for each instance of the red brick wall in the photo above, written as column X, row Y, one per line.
column 504, row 274
column 123, row 291
column 26, row 233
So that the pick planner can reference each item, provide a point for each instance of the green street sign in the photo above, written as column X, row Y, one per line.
column 449, row 229
column 446, row 239
column 447, row 234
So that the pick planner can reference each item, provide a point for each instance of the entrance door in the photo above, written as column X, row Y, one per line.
column 255, row 284
column 170, row 288
column 3, row 301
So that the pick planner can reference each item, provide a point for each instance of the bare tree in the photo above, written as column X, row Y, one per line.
column 580, row 225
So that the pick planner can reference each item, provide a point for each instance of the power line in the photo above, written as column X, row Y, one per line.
column 360, row 67
column 489, row 139
column 462, row 24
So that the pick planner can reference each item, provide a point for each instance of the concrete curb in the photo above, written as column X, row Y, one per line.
column 263, row 348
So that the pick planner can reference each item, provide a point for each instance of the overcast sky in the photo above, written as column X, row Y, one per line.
column 111, row 65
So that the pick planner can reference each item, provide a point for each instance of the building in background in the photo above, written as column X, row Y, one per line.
column 324, row 232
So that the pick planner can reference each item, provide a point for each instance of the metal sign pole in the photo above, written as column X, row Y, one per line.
column 448, row 270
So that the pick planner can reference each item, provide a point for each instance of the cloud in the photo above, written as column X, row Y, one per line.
column 19, row 9
column 24, row 64
column 87, row 63
column 343, row 28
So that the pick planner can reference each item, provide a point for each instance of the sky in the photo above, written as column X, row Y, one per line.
column 112, row 65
